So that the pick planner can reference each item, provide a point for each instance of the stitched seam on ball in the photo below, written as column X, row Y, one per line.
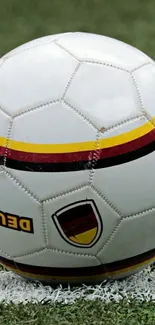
column 5, row 112
column 20, row 185
column 113, row 127
column 8, row 56
column 66, row 50
column 62, row 194
column 94, row 157
column 141, row 66
column 79, row 114
column 41, row 249
column 44, row 224
column 106, row 201
column 92, row 160
column 105, row 64
column 70, row 80
column 138, row 214
column 100, row 262
column 3, row 252
column 7, row 142
column 144, row 112
column 1, row 62
column 116, row 126
column 35, row 108
column 110, row 238
column 64, row 252
column 125, row 122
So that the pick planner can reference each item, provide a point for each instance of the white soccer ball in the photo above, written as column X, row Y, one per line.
column 77, row 159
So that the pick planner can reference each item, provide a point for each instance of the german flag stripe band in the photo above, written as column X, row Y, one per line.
column 78, row 156
column 78, row 274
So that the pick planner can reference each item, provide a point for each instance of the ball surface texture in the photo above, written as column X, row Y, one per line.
column 77, row 159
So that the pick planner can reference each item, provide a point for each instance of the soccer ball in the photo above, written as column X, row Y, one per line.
column 77, row 159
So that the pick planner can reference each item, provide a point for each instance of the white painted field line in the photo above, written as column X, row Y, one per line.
column 14, row 289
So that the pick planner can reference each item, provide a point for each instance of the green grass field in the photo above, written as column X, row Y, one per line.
column 81, row 313
column 130, row 21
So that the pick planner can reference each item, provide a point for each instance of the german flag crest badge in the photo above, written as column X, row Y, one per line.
column 79, row 223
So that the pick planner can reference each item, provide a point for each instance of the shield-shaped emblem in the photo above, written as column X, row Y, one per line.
column 79, row 223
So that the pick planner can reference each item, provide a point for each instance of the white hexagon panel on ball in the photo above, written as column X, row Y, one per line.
column 77, row 141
